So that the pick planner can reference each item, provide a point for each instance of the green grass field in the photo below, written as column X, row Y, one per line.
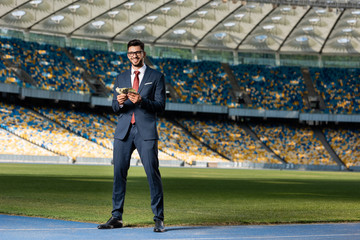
column 192, row 196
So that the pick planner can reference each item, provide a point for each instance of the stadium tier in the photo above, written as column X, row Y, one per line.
column 273, row 88
column 36, row 129
column 14, row 145
column 90, row 126
column 296, row 145
column 58, row 132
column 340, row 89
column 103, row 64
column 47, row 65
column 175, row 141
column 346, row 144
column 196, row 82
column 74, row 134
column 7, row 76
column 229, row 139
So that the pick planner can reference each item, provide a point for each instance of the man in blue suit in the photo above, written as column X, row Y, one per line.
column 136, row 128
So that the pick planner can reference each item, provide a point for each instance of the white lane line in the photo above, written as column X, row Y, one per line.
column 337, row 236
column 45, row 229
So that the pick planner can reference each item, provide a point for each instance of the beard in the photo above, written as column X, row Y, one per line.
column 140, row 64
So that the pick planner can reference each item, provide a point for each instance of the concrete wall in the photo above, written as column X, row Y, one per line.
column 7, row 158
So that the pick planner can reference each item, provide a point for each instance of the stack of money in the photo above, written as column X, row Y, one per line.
column 125, row 90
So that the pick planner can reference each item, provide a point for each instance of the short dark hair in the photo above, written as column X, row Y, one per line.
column 136, row 42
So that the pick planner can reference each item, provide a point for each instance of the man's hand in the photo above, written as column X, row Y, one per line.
column 121, row 98
column 134, row 97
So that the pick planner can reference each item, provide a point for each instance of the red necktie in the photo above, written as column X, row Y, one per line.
column 136, row 87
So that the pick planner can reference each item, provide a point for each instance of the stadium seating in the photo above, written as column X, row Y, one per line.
column 178, row 144
column 90, row 126
column 272, row 88
column 103, row 64
column 196, row 82
column 46, row 64
column 175, row 141
column 346, row 144
column 30, row 126
column 297, row 145
column 7, row 76
column 14, row 145
column 203, row 82
column 229, row 140
column 79, row 134
column 340, row 89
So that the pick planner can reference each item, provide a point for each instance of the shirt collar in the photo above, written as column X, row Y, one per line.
column 141, row 70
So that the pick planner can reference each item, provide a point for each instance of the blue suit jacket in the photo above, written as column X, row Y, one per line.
column 152, row 91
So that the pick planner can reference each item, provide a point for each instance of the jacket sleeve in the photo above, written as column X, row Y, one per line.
column 115, row 105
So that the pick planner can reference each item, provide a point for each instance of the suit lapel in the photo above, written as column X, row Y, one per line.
column 128, row 79
column 145, row 78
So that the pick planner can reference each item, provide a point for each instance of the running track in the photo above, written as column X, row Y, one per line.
column 29, row 228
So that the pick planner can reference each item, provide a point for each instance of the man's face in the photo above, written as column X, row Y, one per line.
column 136, row 56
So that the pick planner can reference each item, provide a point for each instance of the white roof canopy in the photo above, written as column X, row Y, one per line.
column 258, row 26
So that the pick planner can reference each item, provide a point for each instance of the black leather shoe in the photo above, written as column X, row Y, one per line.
column 159, row 226
column 111, row 223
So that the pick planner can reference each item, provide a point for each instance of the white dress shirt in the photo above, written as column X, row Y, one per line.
column 141, row 75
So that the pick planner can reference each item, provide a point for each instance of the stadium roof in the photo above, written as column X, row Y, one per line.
column 286, row 26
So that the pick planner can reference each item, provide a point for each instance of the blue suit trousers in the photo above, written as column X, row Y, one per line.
column 148, row 151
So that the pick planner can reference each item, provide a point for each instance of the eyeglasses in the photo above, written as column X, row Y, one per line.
column 138, row 53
